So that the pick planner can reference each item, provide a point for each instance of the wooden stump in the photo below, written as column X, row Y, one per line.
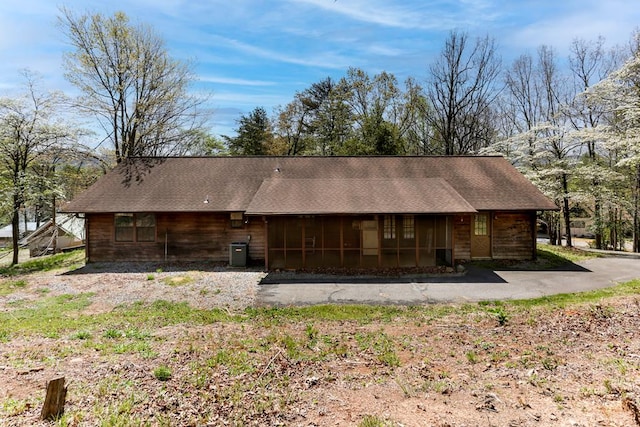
column 53, row 406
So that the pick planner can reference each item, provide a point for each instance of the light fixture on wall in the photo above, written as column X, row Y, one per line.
column 206, row 200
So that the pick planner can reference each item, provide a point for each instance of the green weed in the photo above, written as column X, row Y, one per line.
column 112, row 333
column 373, row 421
column 81, row 335
column 12, row 407
column 162, row 373
column 10, row 287
column 46, row 263
column 177, row 280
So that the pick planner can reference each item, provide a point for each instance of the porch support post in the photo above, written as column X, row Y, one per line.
column 341, row 242
column 453, row 239
column 87, row 242
column 380, row 230
column 266, row 243
column 490, row 226
column 398, row 229
column 417, row 237
column 534, row 235
column 304, row 243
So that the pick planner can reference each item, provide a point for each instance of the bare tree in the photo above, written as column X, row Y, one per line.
column 137, row 92
column 462, row 88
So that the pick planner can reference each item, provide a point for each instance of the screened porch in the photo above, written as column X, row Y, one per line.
column 358, row 241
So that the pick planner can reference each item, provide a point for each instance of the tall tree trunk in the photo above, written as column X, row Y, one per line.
column 636, row 206
column 552, row 227
column 15, row 226
column 613, row 218
column 598, row 223
column 54, row 226
column 565, row 208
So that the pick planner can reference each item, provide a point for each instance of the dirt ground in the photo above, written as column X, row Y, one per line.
column 572, row 366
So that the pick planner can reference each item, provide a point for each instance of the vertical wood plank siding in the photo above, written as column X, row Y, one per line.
column 189, row 237
column 513, row 236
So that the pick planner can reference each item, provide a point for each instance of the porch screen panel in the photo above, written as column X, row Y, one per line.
column 443, row 226
column 390, row 241
column 293, row 241
column 406, row 237
column 313, row 242
column 425, row 230
column 331, row 236
column 351, row 241
column 276, row 242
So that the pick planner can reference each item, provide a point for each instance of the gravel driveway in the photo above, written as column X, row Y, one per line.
column 201, row 286
column 208, row 287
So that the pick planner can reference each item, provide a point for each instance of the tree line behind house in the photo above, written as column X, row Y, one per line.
column 572, row 130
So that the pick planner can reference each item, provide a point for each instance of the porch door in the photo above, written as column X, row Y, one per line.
column 481, row 236
column 369, row 237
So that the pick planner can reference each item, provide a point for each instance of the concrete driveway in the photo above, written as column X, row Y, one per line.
column 475, row 285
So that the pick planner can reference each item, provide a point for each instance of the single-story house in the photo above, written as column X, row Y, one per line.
column 310, row 212
column 67, row 232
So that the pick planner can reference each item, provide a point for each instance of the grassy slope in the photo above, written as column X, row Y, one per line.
column 254, row 340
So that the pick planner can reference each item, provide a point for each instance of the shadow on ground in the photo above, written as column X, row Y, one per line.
column 157, row 267
column 472, row 274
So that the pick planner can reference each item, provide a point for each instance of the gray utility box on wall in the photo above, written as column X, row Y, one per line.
column 238, row 254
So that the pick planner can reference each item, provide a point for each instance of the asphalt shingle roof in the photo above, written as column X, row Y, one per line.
column 312, row 185
column 349, row 195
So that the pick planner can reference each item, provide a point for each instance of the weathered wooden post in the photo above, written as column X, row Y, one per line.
column 53, row 406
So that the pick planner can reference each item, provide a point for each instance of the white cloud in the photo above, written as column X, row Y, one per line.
column 325, row 59
column 438, row 15
column 614, row 19
column 234, row 81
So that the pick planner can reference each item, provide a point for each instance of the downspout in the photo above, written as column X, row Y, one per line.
column 86, row 239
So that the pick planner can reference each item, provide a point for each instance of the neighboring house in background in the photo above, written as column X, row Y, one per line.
column 68, row 233
column 6, row 232
column 310, row 212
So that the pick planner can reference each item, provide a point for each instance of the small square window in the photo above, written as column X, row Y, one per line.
column 237, row 220
column 389, row 227
column 124, row 227
column 145, row 228
column 408, row 227
column 480, row 226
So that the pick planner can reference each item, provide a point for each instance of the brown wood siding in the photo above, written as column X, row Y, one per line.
column 512, row 235
column 188, row 237
column 462, row 237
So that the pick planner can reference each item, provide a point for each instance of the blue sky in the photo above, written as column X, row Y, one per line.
column 251, row 53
